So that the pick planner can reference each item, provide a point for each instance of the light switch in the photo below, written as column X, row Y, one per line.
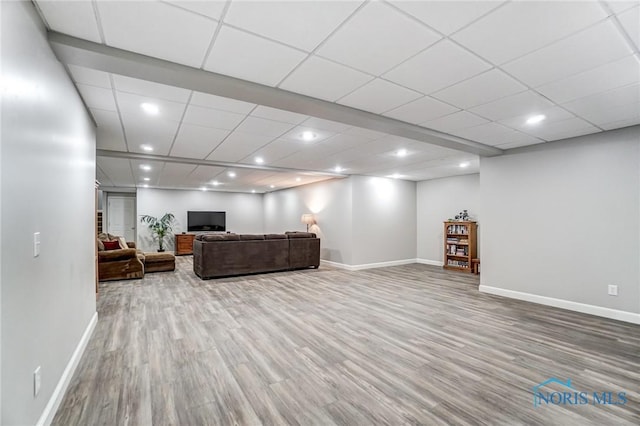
column 36, row 244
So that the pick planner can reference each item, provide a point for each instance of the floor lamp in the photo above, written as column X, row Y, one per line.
column 307, row 219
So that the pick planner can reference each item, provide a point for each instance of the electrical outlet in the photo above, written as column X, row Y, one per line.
column 36, row 381
column 36, row 244
column 613, row 290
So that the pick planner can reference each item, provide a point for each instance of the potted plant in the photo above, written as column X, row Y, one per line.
column 159, row 227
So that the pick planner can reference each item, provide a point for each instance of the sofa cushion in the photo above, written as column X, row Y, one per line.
column 296, row 234
column 218, row 237
column 111, row 245
column 123, row 243
column 113, row 255
column 251, row 237
column 275, row 237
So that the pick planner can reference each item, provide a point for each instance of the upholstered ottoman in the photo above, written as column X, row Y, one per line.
column 159, row 262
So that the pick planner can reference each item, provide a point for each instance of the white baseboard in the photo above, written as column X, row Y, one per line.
column 369, row 265
column 564, row 304
column 430, row 262
column 54, row 402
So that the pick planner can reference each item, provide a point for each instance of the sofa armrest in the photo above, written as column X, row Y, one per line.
column 131, row 244
column 113, row 255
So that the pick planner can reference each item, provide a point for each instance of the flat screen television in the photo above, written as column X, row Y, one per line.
column 206, row 221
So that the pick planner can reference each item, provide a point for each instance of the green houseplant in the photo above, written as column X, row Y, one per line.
column 159, row 227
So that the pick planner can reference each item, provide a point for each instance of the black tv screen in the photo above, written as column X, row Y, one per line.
column 206, row 221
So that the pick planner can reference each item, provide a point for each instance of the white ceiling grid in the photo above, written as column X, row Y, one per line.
column 472, row 69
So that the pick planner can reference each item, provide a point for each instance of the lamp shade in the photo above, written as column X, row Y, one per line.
column 307, row 219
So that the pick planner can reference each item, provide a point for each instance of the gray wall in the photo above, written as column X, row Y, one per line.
column 384, row 219
column 561, row 220
column 244, row 211
column 439, row 200
column 330, row 201
column 48, row 172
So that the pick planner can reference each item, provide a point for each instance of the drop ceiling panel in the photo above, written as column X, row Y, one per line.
column 296, row 134
column 481, row 89
column 150, row 89
column 379, row 96
column 97, row 97
column 205, row 174
column 630, row 21
column 455, row 121
column 141, row 130
column 157, row 29
column 521, row 27
column 278, row 115
column 264, row 127
column 615, row 74
column 214, row 118
column 118, row 170
column 447, row 16
column 523, row 103
column 604, row 107
column 197, row 141
column 218, row 102
column 89, row 76
column 211, row 9
column 376, row 39
column 130, row 105
column 495, row 134
column 252, row 58
column 239, row 145
column 77, row 19
column 324, row 79
column 301, row 24
column 421, row 110
column 275, row 150
column 551, row 116
column 562, row 129
column 109, row 131
column 328, row 125
column 174, row 173
column 103, row 178
column 620, row 123
column 440, row 66
column 618, row 6
column 587, row 49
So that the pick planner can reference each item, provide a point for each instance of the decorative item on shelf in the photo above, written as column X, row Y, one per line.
column 159, row 227
column 463, row 216
column 308, row 219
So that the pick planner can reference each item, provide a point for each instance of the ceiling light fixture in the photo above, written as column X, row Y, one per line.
column 338, row 169
column 536, row 119
column 145, row 186
column 253, row 191
column 272, row 186
column 147, row 148
column 298, row 179
column 464, row 164
column 203, row 188
column 231, row 174
column 145, row 167
column 308, row 136
column 149, row 108
column 401, row 153
column 146, row 179
column 215, row 183
column 259, row 160
column 395, row 176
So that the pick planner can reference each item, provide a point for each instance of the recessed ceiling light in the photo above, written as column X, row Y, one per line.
column 259, row 160
column 145, row 186
column 338, row 169
column 231, row 174
column 535, row 119
column 464, row 164
column 147, row 148
column 203, row 188
column 298, row 179
column 145, row 167
column 272, row 186
column 395, row 176
column 253, row 191
column 215, row 183
column 308, row 136
column 150, row 108
column 146, row 179
column 402, row 153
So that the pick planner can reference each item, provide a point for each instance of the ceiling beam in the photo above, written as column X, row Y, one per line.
column 197, row 162
column 71, row 50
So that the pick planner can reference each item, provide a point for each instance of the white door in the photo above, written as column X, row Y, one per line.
column 122, row 217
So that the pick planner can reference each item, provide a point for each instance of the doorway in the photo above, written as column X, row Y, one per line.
column 121, row 216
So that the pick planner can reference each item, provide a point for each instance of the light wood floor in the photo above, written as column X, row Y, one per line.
column 401, row 345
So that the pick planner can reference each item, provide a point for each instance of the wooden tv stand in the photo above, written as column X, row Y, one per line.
column 184, row 244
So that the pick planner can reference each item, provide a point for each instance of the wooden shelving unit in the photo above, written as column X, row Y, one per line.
column 184, row 244
column 459, row 245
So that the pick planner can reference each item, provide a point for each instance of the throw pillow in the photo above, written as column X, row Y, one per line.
column 111, row 245
column 100, row 245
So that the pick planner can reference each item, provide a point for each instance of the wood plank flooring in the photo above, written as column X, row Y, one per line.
column 392, row 346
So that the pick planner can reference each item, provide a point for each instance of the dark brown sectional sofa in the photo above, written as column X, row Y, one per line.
column 222, row 255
